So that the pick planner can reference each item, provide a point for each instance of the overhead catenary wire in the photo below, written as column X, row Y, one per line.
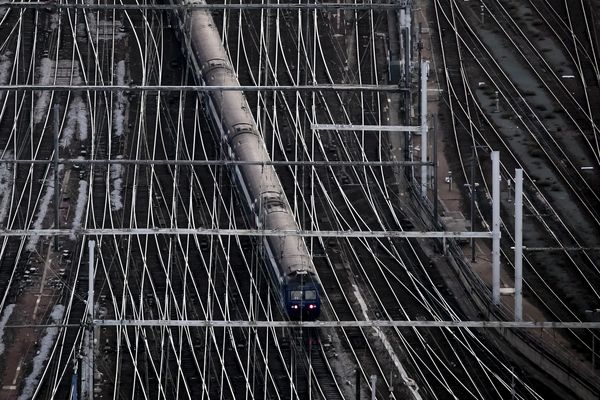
column 171, row 192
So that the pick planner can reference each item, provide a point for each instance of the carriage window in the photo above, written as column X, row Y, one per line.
column 295, row 295
column 310, row 295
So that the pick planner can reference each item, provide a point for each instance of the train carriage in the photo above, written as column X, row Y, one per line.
column 291, row 265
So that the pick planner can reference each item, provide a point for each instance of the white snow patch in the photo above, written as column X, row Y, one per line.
column 82, row 121
column 3, row 11
column 116, row 173
column 43, row 205
column 120, row 72
column 5, row 64
column 409, row 382
column 91, row 24
column 119, row 110
column 80, row 207
column 45, row 73
column 5, row 316
column 5, row 68
column 90, row 20
column 81, row 29
column 54, row 20
column 77, row 117
column 39, row 360
column 86, row 374
column 6, row 180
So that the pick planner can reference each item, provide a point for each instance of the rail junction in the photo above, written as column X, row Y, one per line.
column 139, row 252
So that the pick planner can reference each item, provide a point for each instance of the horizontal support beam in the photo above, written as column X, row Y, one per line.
column 46, row 5
column 348, row 324
column 202, row 88
column 239, row 232
column 561, row 248
column 325, row 324
column 73, row 161
column 345, row 127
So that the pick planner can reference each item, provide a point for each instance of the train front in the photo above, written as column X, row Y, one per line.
column 302, row 298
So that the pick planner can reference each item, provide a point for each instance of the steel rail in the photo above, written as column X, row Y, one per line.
column 241, row 232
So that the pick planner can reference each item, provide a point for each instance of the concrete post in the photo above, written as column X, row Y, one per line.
column 496, row 227
column 518, row 245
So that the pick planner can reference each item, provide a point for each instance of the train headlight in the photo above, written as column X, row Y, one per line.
column 294, row 306
column 312, row 306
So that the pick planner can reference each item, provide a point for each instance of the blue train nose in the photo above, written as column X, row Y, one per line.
column 303, row 311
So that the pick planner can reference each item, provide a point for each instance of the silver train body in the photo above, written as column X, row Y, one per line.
column 259, row 185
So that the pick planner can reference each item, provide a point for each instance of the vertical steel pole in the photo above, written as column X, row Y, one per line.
column 357, row 384
column 424, row 127
column 407, row 58
column 496, row 227
column 513, row 392
column 518, row 245
column 435, row 175
column 482, row 14
column 407, row 99
column 91, row 247
column 593, row 352
column 594, row 318
column 90, row 377
column 472, row 187
column 56, row 188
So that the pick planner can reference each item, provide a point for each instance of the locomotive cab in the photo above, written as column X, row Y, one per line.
column 302, row 300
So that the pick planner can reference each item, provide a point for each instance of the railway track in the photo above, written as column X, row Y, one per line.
column 186, row 277
column 334, row 196
column 473, row 113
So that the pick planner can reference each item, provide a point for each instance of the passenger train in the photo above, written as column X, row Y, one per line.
column 259, row 186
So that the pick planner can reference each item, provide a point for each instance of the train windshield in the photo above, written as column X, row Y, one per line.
column 310, row 295
column 295, row 295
